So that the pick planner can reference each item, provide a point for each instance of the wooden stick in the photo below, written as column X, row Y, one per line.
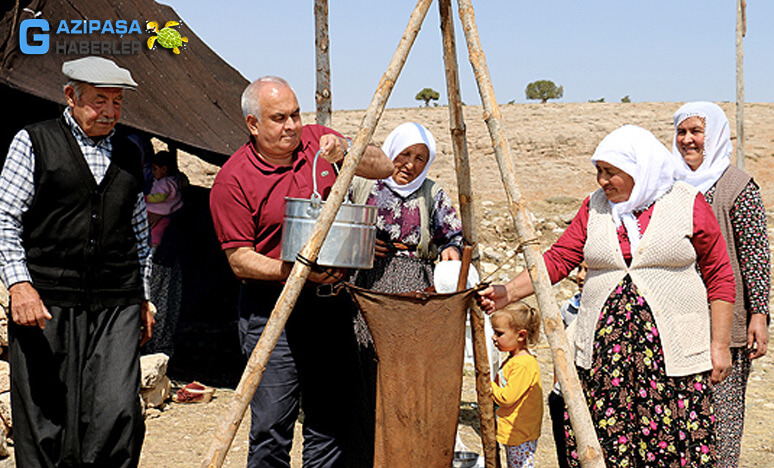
column 322, row 46
column 462, row 280
column 741, row 29
column 589, row 450
column 256, row 365
column 486, row 415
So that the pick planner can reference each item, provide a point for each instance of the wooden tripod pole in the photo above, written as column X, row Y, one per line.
column 256, row 365
column 741, row 31
column 589, row 450
column 469, row 231
column 322, row 57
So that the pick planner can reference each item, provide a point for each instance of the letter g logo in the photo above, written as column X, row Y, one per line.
column 40, row 48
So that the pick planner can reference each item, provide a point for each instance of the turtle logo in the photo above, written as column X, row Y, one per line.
column 168, row 38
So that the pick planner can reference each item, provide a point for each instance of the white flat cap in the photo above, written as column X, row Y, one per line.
column 99, row 72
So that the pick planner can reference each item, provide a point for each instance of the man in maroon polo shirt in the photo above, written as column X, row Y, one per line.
column 314, row 357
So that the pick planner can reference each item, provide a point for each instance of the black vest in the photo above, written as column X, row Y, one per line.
column 78, row 237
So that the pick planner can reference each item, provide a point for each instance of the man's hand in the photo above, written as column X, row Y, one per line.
column 757, row 336
column 721, row 363
column 328, row 276
column 332, row 147
column 147, row 313
column 27, row 308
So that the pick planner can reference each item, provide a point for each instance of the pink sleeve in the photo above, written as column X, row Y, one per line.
column 567, row 252
column 711, row 253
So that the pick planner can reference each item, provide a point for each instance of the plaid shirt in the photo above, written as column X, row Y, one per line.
column 17, row 188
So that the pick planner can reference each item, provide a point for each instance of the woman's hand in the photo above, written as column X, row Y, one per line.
column 450, row 253
column 757, row 336
column 721, row 363
column 493, row 298
column 380, row 249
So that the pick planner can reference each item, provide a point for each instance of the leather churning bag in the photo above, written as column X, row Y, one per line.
column 419, row 339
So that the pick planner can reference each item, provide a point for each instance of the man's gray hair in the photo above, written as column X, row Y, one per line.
column 250, row 103
column 77, row 86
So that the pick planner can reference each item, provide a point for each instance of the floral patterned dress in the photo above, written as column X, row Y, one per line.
column 398, row 223
column 643, row 417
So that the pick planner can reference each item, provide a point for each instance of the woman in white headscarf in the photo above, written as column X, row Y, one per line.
column 416, row 221
column 702, row 146
column 642, row 339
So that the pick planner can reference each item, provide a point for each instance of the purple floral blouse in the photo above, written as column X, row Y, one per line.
column 398, row 219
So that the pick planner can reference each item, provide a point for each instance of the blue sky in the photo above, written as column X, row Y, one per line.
column 656, row 50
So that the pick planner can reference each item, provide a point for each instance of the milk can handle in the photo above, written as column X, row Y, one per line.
column 316, row 198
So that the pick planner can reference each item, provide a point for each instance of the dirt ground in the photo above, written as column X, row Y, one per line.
column 550, row 145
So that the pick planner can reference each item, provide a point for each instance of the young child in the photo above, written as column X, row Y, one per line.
column 555, row 399
column 517, row 389
column 165, row 197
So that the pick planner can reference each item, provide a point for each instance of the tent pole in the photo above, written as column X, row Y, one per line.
column 741, row 31
column 589, row 450
column 322, row 47
column 469, row 231
column 251, row 377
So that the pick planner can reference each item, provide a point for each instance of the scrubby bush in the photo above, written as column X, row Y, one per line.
column 544, row 90
column 427, row 95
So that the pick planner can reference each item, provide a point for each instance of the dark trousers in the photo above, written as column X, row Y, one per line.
column 75, row 389
column 556, row 410
column 313, row 364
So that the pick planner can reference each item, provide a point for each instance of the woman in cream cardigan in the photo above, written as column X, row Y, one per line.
column 642, row 336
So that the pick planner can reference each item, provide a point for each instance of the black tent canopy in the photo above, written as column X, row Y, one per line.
column 189, row 100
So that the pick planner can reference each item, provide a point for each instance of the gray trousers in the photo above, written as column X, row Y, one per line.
column 75, row 389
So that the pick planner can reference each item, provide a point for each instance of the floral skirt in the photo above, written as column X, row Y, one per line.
column 643, row 418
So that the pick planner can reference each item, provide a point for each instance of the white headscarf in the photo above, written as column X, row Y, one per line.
column 405, row 135
column 638, row 153
column 717, row 144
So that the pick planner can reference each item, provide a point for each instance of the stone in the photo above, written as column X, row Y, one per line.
column 490, row 253
column 156, row 396
column 5, row 296
column 4, row 450
column 568, row 217
column 5, row 376
column 5, row 409
column 3, row 332
column 153, row 368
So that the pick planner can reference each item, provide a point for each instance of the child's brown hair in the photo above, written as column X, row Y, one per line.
column 520, row 316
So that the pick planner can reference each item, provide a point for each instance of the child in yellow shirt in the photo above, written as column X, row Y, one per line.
column 517, row 389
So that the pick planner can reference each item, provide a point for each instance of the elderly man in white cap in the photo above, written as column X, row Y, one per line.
column 74, row 256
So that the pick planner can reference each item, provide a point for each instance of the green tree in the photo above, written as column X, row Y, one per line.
column 597, row 100
column 626, row 99
column 544, row 90
column 427, row 95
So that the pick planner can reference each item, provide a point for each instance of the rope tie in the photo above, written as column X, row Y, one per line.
column 519, row 249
